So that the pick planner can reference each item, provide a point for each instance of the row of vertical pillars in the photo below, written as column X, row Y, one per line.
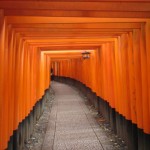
column 25, row 128
column 134, row 137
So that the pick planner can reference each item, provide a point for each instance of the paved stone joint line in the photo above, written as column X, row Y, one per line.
column 71, row 125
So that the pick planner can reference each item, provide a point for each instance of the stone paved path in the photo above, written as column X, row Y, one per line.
column 71, row 125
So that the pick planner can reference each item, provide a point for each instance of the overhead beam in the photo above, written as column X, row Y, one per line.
column 47, row 28
column 71, row 6
column 44, row 46
column 64, row 20
column 64, row 34
column 69, row 40
column 89, row 0
column 72, row 36
column 68, row 48
column 64, row 13
column 82, row 26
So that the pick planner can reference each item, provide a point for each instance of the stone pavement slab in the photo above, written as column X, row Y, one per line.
column 71, row 125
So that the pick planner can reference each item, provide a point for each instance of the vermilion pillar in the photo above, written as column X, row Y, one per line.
column 1, row 73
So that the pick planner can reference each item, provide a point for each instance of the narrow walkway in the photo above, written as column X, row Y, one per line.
column 71, row 125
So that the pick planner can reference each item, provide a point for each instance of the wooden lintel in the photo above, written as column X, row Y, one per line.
column 68, row 48
column 110, row 25
column 64, row 13
column 72, row 6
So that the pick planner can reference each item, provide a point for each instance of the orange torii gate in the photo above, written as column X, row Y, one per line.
column 118, row 34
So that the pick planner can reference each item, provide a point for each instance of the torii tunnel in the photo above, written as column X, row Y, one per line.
column 37, row 36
